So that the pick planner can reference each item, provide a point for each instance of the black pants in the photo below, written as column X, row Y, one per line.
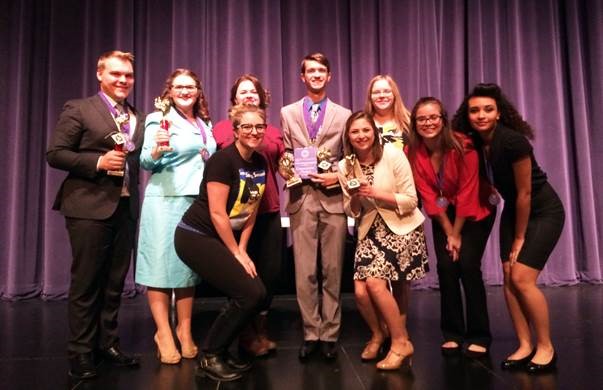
column 467, row 270
column 209, row 258
column 101, row 252
column 266, row 249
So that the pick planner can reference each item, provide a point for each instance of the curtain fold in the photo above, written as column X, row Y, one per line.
column 547, row 56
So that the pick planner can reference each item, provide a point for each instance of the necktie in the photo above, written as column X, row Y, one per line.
column 314, row 112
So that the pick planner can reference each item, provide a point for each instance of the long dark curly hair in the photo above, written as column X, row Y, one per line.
column 509, row 116
column 201, row 107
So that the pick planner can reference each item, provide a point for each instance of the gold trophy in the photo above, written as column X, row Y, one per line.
column 352, row 181
column 163, row 105
column 324, row 159
column 324, row 164
column 286, row 164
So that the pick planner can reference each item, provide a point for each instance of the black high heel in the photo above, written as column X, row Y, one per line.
column 516, row 364
column 534, row 368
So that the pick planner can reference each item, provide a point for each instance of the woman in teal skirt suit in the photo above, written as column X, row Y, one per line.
column 176, row 157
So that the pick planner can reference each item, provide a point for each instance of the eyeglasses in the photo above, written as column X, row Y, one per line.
column 422, row 120
column 248, row 127
column 181, row 88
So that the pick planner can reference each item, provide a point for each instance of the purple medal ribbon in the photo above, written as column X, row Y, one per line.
column 203, row 151
column 441, row 200
column 123, row 127
column 313, row 128
column 494, row 197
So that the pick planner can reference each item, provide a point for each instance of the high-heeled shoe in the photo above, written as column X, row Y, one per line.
column 535, row 368
column 188, row 351
column 394, row 360
column 173, row 357
column 516, row 364
column 371, row 351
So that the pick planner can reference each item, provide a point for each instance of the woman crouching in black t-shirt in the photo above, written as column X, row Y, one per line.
column 213, row 234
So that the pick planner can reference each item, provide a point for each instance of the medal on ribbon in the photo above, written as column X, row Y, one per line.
column 441, row 201
column 494, row 198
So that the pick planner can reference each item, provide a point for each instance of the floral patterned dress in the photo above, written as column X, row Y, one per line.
column 385, row 255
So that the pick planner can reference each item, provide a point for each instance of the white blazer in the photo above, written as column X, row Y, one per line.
column 392, row 173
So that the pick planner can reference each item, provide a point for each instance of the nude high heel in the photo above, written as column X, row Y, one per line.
column 394, row 360
column 171, row 358
column 189, row 351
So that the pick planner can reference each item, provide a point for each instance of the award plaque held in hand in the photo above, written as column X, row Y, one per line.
column 286, row 163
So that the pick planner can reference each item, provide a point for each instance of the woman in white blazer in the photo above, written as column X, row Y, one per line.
column 379, row 192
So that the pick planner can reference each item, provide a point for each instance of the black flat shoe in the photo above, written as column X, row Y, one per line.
column 451, row 351
column 307, row 349
column 118, row 358
column 517, row 364
column 214, row 367
column 475, row 354
column 329, row 349
column 237, row 364
column 82, row 367
column 534, row 368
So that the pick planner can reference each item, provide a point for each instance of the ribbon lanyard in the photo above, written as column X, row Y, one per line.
column 440, row 175
column 314, row 127
column 124, row 127
column 199, row 124
column 494, row 197
column 441, row 200
column 488, row 167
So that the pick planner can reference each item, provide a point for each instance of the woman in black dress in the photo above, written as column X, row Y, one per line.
column 531, row 222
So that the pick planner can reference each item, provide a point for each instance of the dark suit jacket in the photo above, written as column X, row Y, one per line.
column 81, row 136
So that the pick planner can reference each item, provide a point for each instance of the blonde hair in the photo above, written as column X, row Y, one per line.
column 401, row 113
column 122, row 55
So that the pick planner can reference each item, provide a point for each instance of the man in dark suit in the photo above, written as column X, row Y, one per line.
column 97, row 141
column 315, row 208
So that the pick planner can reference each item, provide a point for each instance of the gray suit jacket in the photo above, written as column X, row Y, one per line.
column 81, row 136
column 295, row 135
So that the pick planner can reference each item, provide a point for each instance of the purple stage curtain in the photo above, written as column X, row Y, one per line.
column 546, row 54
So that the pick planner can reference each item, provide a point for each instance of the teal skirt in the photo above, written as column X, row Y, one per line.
column 157, row 264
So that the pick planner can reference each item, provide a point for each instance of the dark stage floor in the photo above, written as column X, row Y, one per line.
column 33, row 337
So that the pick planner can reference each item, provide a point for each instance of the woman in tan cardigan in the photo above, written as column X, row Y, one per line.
column 379, row 193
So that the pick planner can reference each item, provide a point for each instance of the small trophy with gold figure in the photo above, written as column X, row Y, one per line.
column 163, row 105
column 323, row 157
column 286, row 163
column 352, row 181
column 324, row 160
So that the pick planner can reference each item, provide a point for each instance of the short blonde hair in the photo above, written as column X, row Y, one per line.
column 122, row 55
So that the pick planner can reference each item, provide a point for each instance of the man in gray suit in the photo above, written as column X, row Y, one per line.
column 97, row 141
column 315, row 206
